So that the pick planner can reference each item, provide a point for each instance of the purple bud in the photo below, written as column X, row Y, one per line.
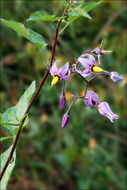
column 91, row 99
column 65, row 119
column 62, row 102
column 105, row 110
column 116, row 78
column 62, row 99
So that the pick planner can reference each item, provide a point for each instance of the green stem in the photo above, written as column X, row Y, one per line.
column 64, row 28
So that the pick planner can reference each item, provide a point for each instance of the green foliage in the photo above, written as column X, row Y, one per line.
column 91, row 5
column 34, row 37
column 8, row 172
column 82, row 10
column 76, row 13
column 5, row 138
column 24, row 101
column 12, row 117
column 41, row 16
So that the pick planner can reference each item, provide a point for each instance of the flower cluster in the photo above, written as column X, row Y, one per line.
column 85, row 66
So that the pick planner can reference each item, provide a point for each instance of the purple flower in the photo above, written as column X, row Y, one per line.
column 59, row 74
column 89, row 64
column 104, row 109
column 91, row 99
column 65, row 119
column 62, row 99
column 116, row 78
column 98, row 51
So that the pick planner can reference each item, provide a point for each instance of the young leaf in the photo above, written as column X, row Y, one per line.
column 82, row 9
column 76, row 13
column 34, row 37
column 89, row 6
column 41, row 16
column 7, row 174
column 5, row 138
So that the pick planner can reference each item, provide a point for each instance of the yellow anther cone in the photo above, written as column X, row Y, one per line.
column 54, row 80
column 97, row 69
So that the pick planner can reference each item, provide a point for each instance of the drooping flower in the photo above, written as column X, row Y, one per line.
column 91, row 99
column 116, row 78
column 104, row 109
column 62, row 98
column 89, row 65
column 59, row 74
column 65, row 119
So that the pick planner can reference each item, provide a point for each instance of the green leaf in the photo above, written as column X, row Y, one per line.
column 11, row 118
column 7, row 174
column 8, row 118
column 41, row 16
column 89, row 6
column 5, row 138
column 37, row 39
column 34, row 37
column 76, row 13
column 24, row 101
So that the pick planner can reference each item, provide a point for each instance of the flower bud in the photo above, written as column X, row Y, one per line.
column 62, row 99
column 65, row 120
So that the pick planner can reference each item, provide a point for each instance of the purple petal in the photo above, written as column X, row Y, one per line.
column 84, row 73
column 116, row 78
column 91, row 99
column 96, row 51
column 63, row 70
column 99, row 58
column 54, row 69
column 105, row 110
column 65, row 77
column 85, row 62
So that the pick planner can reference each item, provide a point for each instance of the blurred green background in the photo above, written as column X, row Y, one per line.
column 90, row 153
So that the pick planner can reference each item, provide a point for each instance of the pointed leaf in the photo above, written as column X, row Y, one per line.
column 76, row 13
column 37, row 39
column 34, row 37
column 41, row 16
column 24, row 101
column 11, row 118
column 90, row 5
column 8, row 118
column 18, row 27
column 7, row 174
